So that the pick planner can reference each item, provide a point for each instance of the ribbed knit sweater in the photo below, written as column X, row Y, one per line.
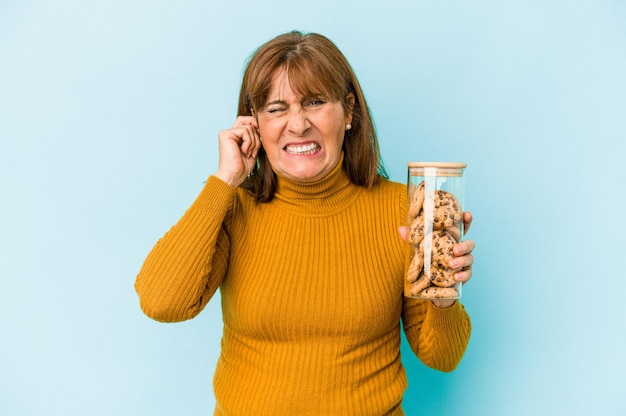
column 312, row 304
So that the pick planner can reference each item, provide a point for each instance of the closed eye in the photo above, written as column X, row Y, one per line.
column 273, row 109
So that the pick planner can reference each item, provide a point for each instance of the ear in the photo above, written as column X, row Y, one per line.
column 349, row 107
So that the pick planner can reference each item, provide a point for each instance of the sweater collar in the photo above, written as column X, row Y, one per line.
column 330, row 194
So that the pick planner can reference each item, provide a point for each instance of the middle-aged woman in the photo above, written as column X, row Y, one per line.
column 302, row 233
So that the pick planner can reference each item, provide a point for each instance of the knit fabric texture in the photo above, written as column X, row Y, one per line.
column 311, row 287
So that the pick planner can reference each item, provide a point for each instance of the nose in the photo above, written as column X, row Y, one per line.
column 298, row 122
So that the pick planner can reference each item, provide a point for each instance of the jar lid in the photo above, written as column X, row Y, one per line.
column 447, row 165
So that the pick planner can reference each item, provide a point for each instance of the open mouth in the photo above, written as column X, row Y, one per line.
column 303, row 149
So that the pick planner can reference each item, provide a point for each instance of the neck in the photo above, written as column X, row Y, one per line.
column 326, row 195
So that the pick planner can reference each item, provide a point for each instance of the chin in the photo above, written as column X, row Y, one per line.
column 303, row 176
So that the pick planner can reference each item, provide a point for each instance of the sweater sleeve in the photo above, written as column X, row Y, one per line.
column 437, row 336
column 186, row 266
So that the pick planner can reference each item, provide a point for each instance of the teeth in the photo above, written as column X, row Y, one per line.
column 302, row 149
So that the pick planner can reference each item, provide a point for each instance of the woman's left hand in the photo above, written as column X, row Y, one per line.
column 463, row 261
column 463, row 252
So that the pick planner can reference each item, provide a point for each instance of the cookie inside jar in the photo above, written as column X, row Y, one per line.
column 435, row 192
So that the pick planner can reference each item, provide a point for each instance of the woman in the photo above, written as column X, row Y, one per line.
column 299, row 230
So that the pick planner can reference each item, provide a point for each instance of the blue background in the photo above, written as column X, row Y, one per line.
column 109, row 113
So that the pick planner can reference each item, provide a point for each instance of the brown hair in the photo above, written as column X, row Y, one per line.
column 315, row 66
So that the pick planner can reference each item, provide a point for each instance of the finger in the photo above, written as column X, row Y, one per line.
column 245, row 121
column 257, row 142
column 246, row 128
column 247, row 138
column 464, row 247
column 403, row 230
column 250, row 141
column 461, row 262
column 467, row 221
column 464, row 275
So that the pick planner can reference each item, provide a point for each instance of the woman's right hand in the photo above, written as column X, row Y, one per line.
column 238, row 148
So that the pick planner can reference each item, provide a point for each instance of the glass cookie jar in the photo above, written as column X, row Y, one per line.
column 435, row 225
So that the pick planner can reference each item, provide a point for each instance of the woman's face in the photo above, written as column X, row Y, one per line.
column 302, row 136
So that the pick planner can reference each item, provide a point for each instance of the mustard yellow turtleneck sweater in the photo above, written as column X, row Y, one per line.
column 311, row 286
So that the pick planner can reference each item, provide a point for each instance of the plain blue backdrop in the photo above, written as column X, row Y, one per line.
column 109, row 114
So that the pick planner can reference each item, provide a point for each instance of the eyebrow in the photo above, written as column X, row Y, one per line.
column 302, row 99
column 276, row 102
